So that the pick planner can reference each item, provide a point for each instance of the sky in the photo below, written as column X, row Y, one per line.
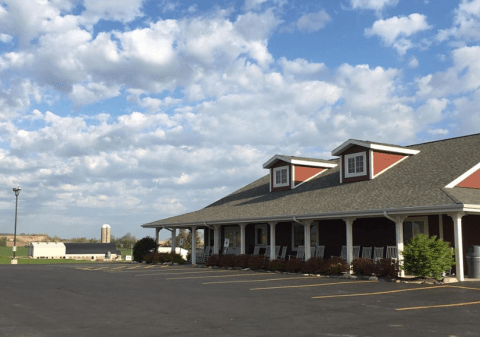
column 124, row 112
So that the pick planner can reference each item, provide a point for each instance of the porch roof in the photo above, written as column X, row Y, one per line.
column 416, row 184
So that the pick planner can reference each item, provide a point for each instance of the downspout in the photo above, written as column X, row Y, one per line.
column 388, row 217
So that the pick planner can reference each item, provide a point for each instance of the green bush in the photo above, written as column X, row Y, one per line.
column 295, row 265
column 164, row 257
column 386, row 268
column 142, row 248
column 277, row 265
column 428, row 257
column 336, row 265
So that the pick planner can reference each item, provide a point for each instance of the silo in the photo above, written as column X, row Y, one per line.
column 106, row 233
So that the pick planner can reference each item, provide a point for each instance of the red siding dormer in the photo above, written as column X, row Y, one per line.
column 362, row 160
column 470, row 179
column 287, row 172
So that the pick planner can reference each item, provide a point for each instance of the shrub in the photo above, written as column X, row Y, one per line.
column 336, row 265
column 386, row 268
column 363, row 266
column 315, row 265
column 226, row 261
column 295, row 265
column 277, row 265
column 425, row 256
column 241, row 260
column 212, row 261
column 257, row 262
column 164, row 257
column 142, row 248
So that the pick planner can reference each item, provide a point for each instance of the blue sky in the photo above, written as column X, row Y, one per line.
column 129, row 111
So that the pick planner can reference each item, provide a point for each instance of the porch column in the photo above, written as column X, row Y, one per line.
column 242, row 238
column 306, row 226
column 440, row 226
column 216, row 239
column 349, row 227
column 457, row 226
column 194, row 245
column 399, row 236
column 174, row 240
column 157, row 231
column 273, row 256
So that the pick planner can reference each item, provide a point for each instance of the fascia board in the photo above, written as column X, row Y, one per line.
column 273, row 159
column 338, row 150
column 463, row 176
column 421, row 210
column 312, row 163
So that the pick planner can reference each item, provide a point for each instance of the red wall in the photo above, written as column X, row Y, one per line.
column 302, row 173
column 473, row 181
column 382, row 160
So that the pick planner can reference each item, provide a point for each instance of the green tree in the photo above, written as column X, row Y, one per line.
column 3, row 242
column 428, row 257
column 142, row 248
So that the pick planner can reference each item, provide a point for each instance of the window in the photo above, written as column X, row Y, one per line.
column 233, row 233
column 355, row 165
column 280, row 176
column 298, row 236
column 414, row 226
column 260, row 235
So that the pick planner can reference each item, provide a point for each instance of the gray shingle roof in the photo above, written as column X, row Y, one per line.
column 417, row 181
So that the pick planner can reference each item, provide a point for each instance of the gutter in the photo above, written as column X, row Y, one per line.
column 388, row 217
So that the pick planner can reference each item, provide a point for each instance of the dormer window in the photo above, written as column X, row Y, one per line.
column 355, row 165
column 280, row 176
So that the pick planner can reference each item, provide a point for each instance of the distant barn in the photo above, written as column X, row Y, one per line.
column 77, row 251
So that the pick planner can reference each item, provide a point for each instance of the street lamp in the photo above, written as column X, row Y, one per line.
column 17, row 192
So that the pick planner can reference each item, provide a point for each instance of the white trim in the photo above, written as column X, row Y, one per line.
column 280, row 168
column 356, row 174
column 297, row 162
column 463, row 176
column 337, row 151
column 370, row 164
column 341, row 170
column 386, row 169
column 316, row 174
column 292, row 183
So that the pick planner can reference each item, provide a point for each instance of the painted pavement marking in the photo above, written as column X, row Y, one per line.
column 313, row 285
column 379, row 292
column 188, row 273
column 232, row 275
column 264, row 280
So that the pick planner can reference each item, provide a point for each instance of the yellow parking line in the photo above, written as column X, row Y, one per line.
column 438, row 306
column 191, row 272
column 379, row 292
column 192, row 277
column 313, row 285
column 264, row 280
column 463, row 287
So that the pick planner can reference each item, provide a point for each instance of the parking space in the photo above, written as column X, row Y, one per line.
column 116, row 300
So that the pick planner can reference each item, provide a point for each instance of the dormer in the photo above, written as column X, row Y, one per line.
column 288, row 172
column 469, row 179
column 364, row 160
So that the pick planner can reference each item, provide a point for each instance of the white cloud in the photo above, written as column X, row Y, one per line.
column 395, row 31
column 5, row 38
column 466, row 23
column 413, row 62
column 313, row 22
column 376, row 5
column 116, row 10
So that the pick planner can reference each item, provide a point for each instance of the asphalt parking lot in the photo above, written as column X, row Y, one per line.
column 141, row 300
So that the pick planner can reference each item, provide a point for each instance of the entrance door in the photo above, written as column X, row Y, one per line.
column 233, row 233
column 413, row 227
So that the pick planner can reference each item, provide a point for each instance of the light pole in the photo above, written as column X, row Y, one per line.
column 17, row 192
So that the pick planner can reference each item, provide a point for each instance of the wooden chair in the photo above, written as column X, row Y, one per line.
column 392, row 252
column 343, row 253
column 377, row 254
column 206, row 253
column 312, row 252
column 256, row 250
column 284, row 253
column 267, row 252
column 367, row 253
column 356, row 252
column 300, row 253
column 319, row 251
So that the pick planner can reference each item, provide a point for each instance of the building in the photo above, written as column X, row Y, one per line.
column 371, row 194
column 77, row 251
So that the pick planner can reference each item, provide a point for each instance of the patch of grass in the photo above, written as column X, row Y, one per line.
column 7, row 260
column 7, row 251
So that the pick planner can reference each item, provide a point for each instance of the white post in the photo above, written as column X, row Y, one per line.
column 272, row 240
column 194, row 245
column 174, row 240
column 242, row 238
column 349, row 227
column 457, row 226
column 399, row 236
column 306, row 244
column 157, row 231
column 440, row 226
